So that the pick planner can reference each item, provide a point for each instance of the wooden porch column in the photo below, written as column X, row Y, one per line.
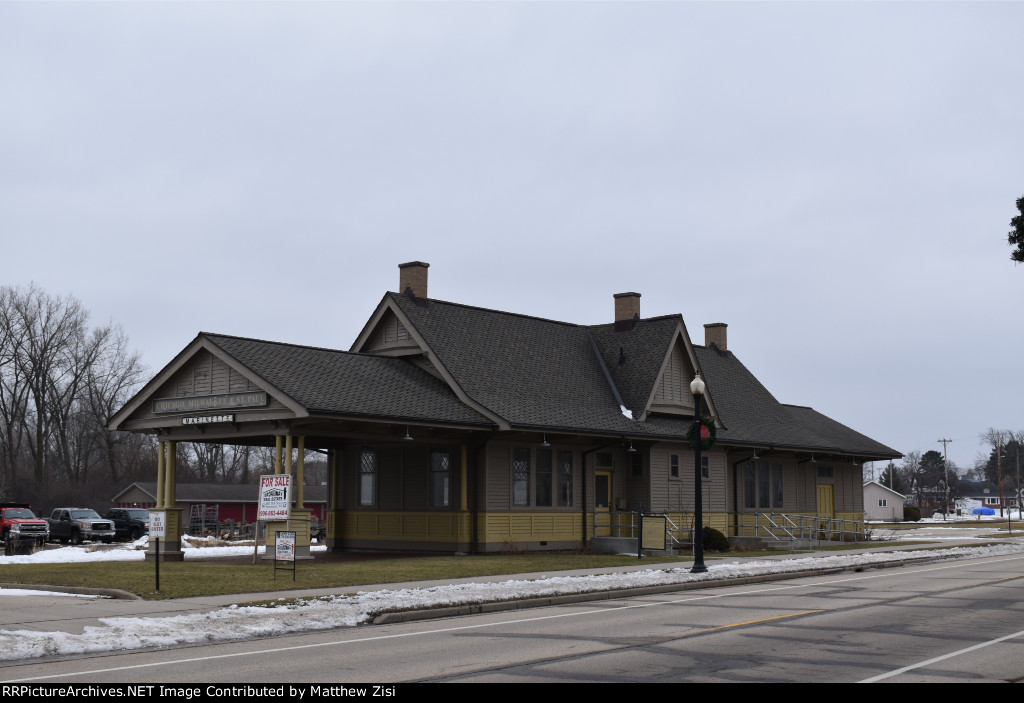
column 166, row 491
column 299, row 521
column 160, row 469
column 171, row 480
column 300, row 474
column 277, row 454
column 464, row 482
column 288, row 454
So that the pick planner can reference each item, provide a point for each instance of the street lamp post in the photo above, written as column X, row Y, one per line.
column 697, row 388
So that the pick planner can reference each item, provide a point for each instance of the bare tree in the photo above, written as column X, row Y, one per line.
column 47, row 336
column 14, row 393
column 909, row 472
column 60, row 381
column 112, row 379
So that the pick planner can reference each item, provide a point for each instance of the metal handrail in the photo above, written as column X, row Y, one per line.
column 810, row 527
column 776, row 526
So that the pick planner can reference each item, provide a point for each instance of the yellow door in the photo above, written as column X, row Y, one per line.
column 826, row 501
column 602, row 503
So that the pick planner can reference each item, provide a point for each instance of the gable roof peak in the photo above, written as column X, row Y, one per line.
column 213, row 336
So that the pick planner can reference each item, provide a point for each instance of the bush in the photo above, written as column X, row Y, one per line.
column 911, row 513
column 715, row 541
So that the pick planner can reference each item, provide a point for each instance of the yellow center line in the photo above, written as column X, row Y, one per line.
column 1010, row 578
column 755, row 622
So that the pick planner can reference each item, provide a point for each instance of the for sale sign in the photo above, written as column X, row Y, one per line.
column 275, row 497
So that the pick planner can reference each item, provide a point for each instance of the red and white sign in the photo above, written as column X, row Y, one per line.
column 157, row 524
column 275, row 497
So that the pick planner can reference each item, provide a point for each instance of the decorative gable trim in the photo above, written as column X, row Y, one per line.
column 176, row 372
column 671, row 391
column 391, row 337
column 379, row 321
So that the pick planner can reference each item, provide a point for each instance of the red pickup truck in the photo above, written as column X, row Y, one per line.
column 20, row 529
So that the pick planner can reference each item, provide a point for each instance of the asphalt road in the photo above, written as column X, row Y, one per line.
column 953, row 621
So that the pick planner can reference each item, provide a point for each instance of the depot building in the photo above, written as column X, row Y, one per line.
column 453, row 428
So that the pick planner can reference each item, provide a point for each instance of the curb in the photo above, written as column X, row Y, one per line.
column 387, row 618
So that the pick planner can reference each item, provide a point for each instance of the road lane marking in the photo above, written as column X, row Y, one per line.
column 905, row 669
column 758, row 622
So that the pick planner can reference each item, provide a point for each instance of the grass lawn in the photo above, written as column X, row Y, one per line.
column 208, row 577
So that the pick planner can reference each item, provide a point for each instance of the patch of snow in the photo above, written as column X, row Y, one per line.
column 30, row 592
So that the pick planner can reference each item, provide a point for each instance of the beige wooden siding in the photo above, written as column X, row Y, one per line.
column 791, row 487
column 405, row 526
column 716, row 488
column 673, row 386
column 659, row 479
column 514, row 528
column 499, row 476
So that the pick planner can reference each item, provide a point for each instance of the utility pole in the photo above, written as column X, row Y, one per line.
column 945, row 471
column 999, row 470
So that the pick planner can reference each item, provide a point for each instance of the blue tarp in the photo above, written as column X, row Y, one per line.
column 983, row 511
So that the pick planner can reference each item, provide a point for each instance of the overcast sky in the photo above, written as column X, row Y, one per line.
column 833, row 180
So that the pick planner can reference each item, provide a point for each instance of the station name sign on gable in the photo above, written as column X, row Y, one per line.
column 250, row 399
column 207, row 419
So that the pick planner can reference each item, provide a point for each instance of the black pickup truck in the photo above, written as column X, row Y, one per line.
column 129, row 523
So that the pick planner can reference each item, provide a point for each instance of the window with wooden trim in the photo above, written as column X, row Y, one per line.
column 636, row 464
column 762, row 485
column 565, row 478
column 368, row 477
column 521, row 476
column 673, row 466
column 542, row 477
column 440, row 477
column 545, row 476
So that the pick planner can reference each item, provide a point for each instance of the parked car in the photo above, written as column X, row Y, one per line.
column 129, row 523
column 77, row 524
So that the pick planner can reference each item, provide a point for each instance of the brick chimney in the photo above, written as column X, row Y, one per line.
column 627, row 307
column 412, row 276
column 714, row 335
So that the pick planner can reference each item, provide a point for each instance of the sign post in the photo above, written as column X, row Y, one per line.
column 157, row 529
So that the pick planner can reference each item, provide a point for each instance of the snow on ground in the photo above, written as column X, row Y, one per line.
column 133, row 551
column 328, row 612
column 30, row 592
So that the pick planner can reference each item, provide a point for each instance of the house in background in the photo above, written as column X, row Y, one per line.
column 984, row 492
column 882, row 503
column 455, row 428
column 205, row 505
